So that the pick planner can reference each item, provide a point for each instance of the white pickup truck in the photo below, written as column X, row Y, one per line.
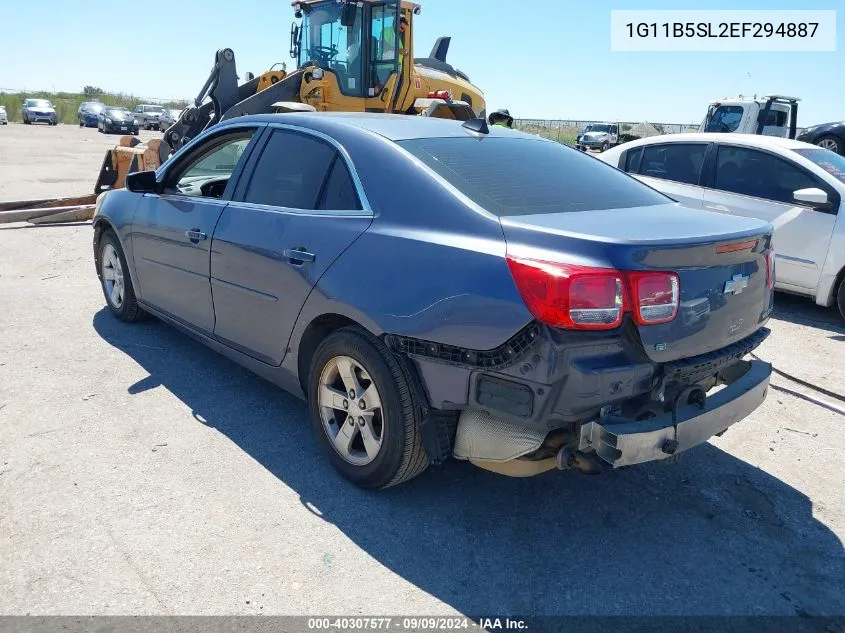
column 600, row 136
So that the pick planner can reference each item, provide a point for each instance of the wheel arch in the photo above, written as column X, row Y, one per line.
column 314, row 333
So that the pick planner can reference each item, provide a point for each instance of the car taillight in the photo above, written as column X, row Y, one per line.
column 567, row 296
column 588, row 298
column 770, row 269
column 656, row 296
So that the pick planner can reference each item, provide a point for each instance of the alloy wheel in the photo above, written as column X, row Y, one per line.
column 112, row 271
column 351, row 410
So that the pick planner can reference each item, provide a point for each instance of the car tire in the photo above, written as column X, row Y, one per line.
column 81, row 124
column 351, row 359
column 115, row 280
column 604, row 147
column 832, row 143
column 840, row 298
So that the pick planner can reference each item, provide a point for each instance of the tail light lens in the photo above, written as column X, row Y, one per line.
column 573, row 297
column 656, row 296
column 587, row 298
column 770, row 269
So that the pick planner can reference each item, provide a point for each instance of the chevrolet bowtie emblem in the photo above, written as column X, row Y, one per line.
column 736, row 285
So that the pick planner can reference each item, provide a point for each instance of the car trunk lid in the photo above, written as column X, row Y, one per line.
column 720, row 262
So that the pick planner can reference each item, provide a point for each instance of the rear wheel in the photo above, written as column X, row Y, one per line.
column 363, row 411
column 832, row 143
column 115, row 280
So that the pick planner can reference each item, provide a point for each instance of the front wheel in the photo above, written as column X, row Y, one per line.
column 363, row 411
column 115, row 280
column 605, row 146
column 840, row 298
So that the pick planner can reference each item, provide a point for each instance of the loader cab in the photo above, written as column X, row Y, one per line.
column 360, row 44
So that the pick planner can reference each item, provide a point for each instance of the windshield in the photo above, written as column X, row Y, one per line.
column 724, row 119
column 155, row 108
column 831, row 162
column 518, row 176
column 600, row 128
column 332, row 46
column 116, row 113
column 94, row 107
column 38, row 103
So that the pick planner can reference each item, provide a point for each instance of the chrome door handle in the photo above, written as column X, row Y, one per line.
column 717, row 207
column 195, row 235
column 299, row 256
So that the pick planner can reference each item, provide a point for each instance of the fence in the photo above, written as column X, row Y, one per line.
column 565, row 130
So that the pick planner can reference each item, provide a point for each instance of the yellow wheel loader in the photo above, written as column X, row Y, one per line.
column 351, row 56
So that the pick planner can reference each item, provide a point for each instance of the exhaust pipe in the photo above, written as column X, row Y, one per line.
column 568, row 458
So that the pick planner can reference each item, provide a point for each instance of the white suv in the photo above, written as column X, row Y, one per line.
column 796, row 186
column 148, row 115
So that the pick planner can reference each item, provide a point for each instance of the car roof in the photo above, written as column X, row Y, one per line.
column 396, row 127
column 751, row 140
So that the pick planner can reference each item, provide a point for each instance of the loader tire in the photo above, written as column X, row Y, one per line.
column 351, row 359
column 116, row 281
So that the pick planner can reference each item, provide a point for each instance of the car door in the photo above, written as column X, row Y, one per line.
column 672, row 168
column 171, row 232
column 290, row 219
column 756, row 183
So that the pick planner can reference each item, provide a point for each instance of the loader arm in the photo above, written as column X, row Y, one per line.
column 221, row 98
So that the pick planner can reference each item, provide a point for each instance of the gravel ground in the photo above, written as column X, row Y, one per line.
column 140, row 473
column 40, row 161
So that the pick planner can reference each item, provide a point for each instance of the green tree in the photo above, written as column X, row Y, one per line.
column 92, row 91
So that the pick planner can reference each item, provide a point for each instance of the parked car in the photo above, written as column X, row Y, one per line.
column 828, row 135
column 580, row 135
column 168, row 118
column 796, row 186
column 513, row 302
column 35, row 110
column 4, row 118
column 116, row 120
column 148, row 115
column 88, row 114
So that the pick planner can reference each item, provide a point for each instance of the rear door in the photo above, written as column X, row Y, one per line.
column 298, row 210
column 754, row 183
column 172, row 231
column 672, row 168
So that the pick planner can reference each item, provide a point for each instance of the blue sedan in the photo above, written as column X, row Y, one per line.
column 88, row 114
column 436, row 289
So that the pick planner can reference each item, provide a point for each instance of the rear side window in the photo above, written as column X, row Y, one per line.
column 339, row 191
column 523, row 176
column 678, row 162
column 290, row 172
column 758, row 174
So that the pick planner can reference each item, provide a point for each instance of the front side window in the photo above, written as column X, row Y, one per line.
column 333, row 45
column 724, row 119
column 753, row 173
column 678, row 162
column 208, row 171
column 518, row 176
column 290, row 172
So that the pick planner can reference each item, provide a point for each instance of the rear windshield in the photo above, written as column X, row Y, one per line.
column 521, row 176
column 831, row 162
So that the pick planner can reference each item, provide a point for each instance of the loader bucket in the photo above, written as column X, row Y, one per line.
column 128, row 157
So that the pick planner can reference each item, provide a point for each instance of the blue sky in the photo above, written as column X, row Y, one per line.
column 542, row 59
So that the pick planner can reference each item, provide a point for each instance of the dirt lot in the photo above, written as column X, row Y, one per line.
column 142, row 474
column 40, row 161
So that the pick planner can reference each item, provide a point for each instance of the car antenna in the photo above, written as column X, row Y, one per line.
column 477, row 125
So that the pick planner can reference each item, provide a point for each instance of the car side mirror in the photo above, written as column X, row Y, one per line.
column 142, row 182
column 811, row 196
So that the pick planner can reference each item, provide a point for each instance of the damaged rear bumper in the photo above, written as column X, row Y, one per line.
column 620, row 441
